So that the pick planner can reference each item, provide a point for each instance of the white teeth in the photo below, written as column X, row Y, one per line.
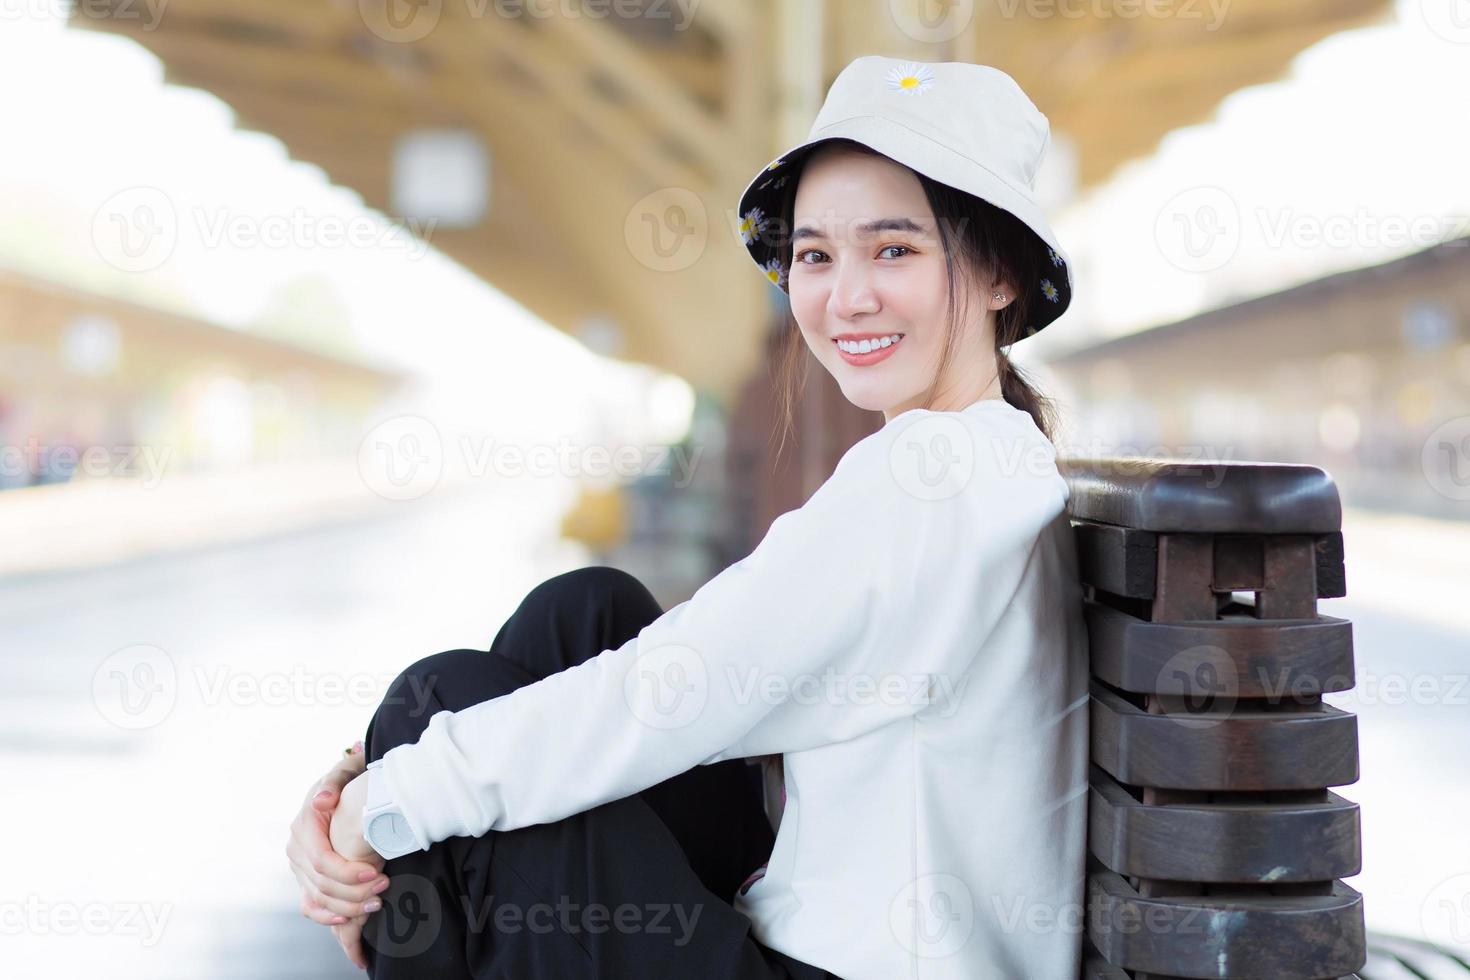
column 867, row 346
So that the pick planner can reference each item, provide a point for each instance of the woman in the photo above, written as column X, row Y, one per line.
column 904, row 653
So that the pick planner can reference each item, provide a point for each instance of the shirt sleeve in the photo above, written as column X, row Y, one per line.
column 825, row 631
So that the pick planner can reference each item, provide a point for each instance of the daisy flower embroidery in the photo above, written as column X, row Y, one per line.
column 774, row 272
column 751, row 224
column 775, row 163
column 911, row 78
column 1055, row 258
column 1048, row 290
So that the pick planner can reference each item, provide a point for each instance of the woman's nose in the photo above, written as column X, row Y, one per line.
column 852, row 292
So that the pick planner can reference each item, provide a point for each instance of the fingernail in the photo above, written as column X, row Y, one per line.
column 380, row 887
column 324, row 794
column 371, row 905
column 366, row 875
column 357, row 746
column 338, row 920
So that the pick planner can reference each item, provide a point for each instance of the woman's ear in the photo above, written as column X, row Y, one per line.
column 1002, row 294
column 999, row 294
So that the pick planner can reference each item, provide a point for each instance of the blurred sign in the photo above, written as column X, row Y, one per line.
column 91, row 345
column 441, row 175
column 601, row 334
column 1428, row 325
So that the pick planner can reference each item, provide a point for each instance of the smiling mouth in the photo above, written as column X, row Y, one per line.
column 872, row 348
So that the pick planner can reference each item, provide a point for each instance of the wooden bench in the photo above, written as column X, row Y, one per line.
column 1216, row 846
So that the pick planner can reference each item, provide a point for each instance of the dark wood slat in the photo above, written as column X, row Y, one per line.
column 1234, row 657
column 1124, row 561
column 1290, row 591
column 1331, row 571
column 1119, row 560
column 1184, row 496
column 1242, row 749
column 1258, row 843
column 1297, row 937
column 1183, row 590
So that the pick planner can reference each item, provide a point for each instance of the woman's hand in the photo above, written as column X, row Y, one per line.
column 345, row 832
column 336, row 889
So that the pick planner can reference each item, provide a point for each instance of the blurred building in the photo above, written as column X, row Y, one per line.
column 1352, row 372
column 89, row 382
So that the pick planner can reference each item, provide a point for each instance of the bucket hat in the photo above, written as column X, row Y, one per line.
column 965, row 125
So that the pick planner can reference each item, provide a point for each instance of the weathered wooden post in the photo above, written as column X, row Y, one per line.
column 1216, row 846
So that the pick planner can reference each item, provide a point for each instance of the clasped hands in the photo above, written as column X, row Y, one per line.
column 341, row 876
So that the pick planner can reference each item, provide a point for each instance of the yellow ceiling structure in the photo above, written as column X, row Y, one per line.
column 618, row 145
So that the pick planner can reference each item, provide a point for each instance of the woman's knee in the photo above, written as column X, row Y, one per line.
column 597, row 585
column 448, row 681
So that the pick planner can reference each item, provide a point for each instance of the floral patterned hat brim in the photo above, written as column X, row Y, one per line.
column 759, row 210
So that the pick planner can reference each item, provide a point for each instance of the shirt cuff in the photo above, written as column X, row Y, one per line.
column 428, row 790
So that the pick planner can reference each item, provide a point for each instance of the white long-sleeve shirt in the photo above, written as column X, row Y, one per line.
column 910, row 642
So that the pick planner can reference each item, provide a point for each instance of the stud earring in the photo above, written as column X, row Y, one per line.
column 1000, row 297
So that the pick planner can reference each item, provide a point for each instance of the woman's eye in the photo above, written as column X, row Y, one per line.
column 801, row 258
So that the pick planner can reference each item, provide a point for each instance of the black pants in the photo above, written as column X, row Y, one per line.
column 638, row 888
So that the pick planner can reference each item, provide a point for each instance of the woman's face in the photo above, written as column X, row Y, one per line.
column 868, row 263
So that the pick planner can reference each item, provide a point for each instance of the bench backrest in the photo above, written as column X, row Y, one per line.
column 1215, row 844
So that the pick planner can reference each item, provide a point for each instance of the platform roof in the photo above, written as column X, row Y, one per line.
column 585, row 116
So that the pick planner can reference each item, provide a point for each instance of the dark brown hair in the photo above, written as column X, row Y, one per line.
column 976, row 236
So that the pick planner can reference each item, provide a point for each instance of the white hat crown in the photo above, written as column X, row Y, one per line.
column 977, row 111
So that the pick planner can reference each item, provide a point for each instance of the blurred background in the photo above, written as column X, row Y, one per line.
column 328, row 328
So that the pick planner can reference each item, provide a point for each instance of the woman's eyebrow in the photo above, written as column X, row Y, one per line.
column 867, row 228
